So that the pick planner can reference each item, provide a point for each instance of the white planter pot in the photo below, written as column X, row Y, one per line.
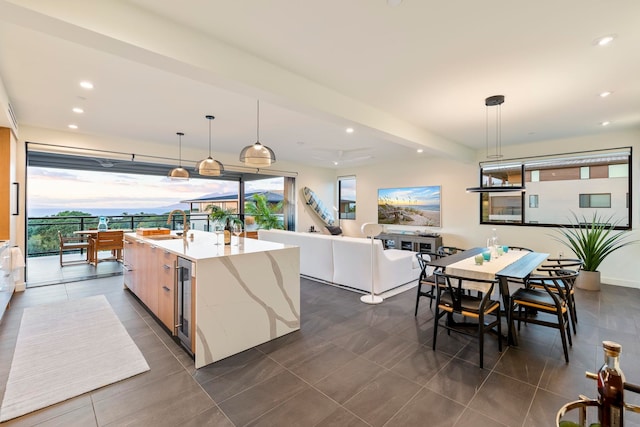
column 588, row 280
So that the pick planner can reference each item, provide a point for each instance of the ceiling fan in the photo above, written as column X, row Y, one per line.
column 338, row 157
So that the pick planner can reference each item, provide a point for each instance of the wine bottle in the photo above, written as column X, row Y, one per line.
column 611, row 387
column 227, row 233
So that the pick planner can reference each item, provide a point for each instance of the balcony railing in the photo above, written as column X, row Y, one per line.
column 42, row 232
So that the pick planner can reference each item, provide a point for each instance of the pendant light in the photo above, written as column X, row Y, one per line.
column 494, row 101
column 209, row 166
column 257, row 155
column 179, row 172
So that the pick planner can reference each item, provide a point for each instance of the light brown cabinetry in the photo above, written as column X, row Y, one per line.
column 7, row 177
column 150, row 275
column 166, row 290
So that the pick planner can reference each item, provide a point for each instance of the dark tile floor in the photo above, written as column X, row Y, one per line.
column 351, row 364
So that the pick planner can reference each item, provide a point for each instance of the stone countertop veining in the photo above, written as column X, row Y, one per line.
column 203, row 245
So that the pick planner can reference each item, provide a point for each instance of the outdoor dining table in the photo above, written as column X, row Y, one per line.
column 511, row 265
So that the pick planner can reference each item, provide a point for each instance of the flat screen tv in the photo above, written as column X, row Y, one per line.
column 419, row 206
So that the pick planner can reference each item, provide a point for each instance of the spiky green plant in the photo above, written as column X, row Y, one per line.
column 593, row 241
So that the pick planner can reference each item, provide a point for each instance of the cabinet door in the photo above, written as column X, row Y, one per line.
column 131, row 255
column 166, row 292
column 152, row 262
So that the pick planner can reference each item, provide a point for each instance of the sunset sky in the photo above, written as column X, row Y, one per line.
column 60, row 188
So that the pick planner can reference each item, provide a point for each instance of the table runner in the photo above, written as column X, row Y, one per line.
column 487, row 271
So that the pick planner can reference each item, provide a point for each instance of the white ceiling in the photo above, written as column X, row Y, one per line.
column 403, row 77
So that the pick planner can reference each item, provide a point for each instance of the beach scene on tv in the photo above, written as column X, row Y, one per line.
column 418, row 206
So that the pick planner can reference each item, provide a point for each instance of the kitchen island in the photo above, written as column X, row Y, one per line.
column 218, row 300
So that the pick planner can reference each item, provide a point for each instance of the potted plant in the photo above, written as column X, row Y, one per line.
column 218, row 214
column 592, row 241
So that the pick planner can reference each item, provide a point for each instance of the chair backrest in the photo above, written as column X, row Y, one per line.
column 559, row 264
column 519, row 248
column 457, row 286
column 448, row 250
column 557, row 283
column 107, row 240
column 424, row 258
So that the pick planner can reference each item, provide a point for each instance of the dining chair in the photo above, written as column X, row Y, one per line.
column 560, row 265
column 447, row 250
column 426, row 279
column 453, row 301
column 519, row 248
column 73, row 243
column 546, row 294
column 107, row 241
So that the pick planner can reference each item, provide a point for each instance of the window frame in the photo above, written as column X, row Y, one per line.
column 530, row 164
column 348, row 215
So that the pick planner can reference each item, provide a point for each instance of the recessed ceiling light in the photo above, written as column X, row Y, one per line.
column 605, row 94
column 349, row 130
column 605, row 123
column 605, row 41
column 419, row 150
column 335, row 163
column 73, row 126
column 78, row 110
column 86, row 85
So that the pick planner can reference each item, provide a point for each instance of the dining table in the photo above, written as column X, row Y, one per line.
column 514, row 265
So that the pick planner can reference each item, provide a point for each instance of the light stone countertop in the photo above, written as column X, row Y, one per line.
column 203, row 245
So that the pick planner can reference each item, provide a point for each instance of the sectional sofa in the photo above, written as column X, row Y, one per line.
column 346, row 261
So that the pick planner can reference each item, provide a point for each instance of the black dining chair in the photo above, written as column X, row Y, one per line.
column 557, row 266
column 426, row 281
column 447, row 250
column 519, row 248
column 547, row 294
column 454, row 302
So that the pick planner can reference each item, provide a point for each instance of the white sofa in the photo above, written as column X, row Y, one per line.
column 346, row 261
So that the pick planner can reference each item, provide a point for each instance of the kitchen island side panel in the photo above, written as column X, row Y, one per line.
column 243, row 301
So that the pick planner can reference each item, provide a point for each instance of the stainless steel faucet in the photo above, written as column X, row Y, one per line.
column 185, row 224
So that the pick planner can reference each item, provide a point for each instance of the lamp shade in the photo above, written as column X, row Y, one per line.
column 179, row 172
column 210, row 166
column 257, row 155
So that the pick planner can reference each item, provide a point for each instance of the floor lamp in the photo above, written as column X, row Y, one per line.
column 371, row 230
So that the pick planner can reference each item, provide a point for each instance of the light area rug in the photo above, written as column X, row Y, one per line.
column 67, row 349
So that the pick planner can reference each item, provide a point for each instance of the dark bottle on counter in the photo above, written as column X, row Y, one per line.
column 611, row 387
column 227, row 233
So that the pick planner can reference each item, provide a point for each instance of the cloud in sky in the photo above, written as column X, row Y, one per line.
column 64, row 189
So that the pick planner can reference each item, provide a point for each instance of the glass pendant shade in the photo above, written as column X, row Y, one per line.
column 257, row 155
column 210, row 166
column 179, row 172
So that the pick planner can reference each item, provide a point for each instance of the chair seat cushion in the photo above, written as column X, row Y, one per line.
column 534, row 296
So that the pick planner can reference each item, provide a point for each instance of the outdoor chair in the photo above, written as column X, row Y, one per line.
column 73, row 244
column 107, row 241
